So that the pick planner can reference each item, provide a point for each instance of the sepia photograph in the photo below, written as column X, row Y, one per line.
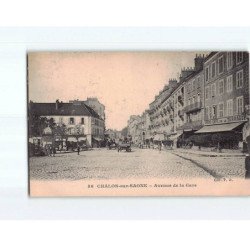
column 153, row 123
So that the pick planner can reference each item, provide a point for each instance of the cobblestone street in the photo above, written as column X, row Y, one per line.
column 140, row 163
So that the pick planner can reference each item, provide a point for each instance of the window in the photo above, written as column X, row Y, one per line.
column 214, row 111
column 221, row 87
column 229, row 60
column 213, row 71
column 194, row 85
column 230, row 83
column 207, row 92
column 239, row 105
column 198, row 82
column 207, row 113
column 82, row 120
column 207, row 74
column 213, row 89
column 71, row 120
column 220, row 110
column 198, row 97
column 221, row 64
column 239, row 79
column 239, row 57
column 211, row 112
column 230, row 107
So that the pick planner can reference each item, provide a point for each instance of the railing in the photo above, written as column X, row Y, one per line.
column 192, row 107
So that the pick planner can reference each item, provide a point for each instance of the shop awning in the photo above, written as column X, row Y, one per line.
column 219, row 128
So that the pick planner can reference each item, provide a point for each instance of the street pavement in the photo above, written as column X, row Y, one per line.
column 140, row 163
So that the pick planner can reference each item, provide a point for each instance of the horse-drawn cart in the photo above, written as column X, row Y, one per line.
column 124, row 146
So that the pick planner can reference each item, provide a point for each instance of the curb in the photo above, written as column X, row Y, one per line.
column 212, row 155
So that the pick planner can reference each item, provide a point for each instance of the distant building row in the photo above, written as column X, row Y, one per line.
column 210, row 99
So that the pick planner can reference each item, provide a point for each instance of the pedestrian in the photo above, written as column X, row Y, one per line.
column 78, row 149
column 160, row 145
column 49, row 150
column 53, row 151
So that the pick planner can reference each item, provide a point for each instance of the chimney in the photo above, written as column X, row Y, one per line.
column 198, row 62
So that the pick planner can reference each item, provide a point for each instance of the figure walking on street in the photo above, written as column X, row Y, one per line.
column 78, row 149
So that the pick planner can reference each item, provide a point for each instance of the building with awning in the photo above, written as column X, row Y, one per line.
column 220, row 128
column 70, row 122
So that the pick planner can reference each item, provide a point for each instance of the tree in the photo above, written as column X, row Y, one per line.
column 37, row 124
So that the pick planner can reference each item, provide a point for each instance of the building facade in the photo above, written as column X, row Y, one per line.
column 226, row 78
column 81, row 123
column 95, row 104
column 209, row 103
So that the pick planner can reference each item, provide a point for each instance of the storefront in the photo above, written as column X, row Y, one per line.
column 228, row 136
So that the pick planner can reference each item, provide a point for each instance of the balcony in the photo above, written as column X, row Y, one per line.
column 193, row 107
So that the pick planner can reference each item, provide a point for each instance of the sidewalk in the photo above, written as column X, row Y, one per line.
column 208, row 153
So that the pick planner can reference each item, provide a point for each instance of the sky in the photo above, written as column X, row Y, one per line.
column 125, row 82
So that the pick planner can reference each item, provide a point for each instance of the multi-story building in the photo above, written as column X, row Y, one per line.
column 134, row 128
column 210, row 98
column 82, row 123
column 157, row 111
column 145, row 132
column 98, row 107
column 226, row 76
column 191, row 99
column 113, row 134
column 95, row 104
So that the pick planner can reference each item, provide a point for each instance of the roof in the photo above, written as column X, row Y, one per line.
column 219, row 127
column 64, row 109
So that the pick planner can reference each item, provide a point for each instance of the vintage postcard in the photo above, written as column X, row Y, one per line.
column 138, row 123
